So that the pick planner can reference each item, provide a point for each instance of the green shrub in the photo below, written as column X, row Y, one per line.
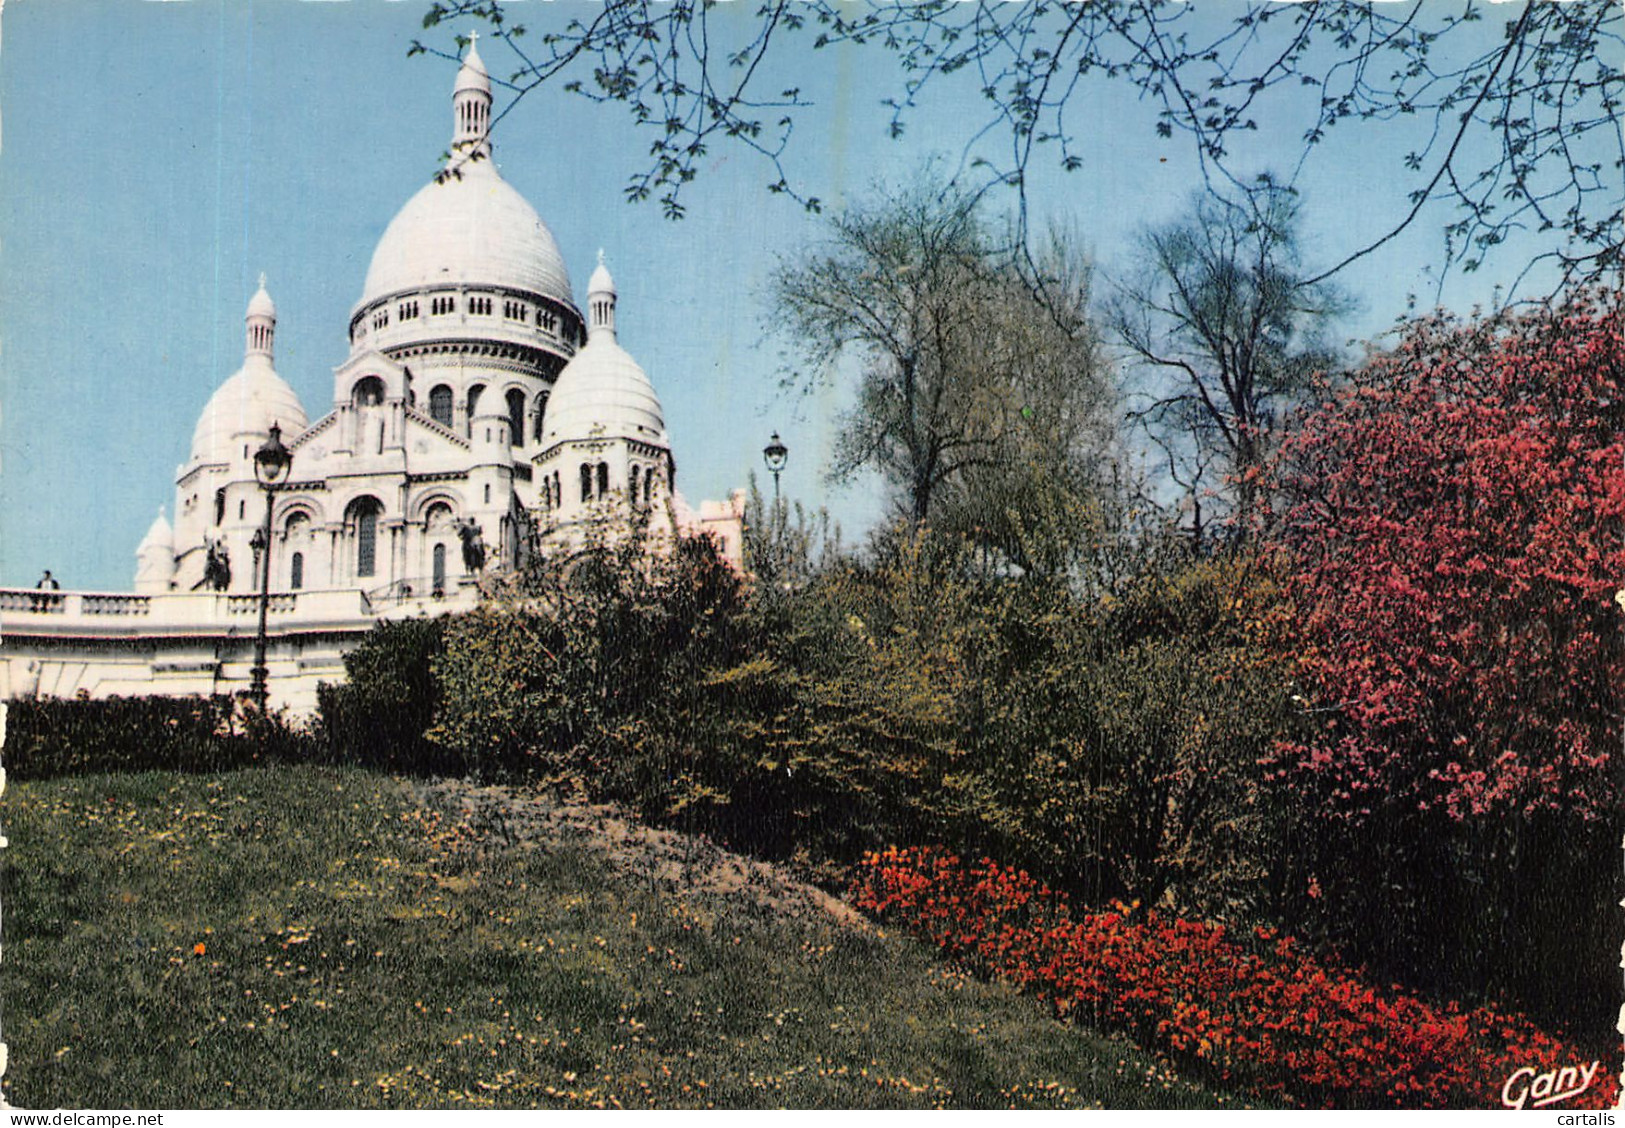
column 49, row 737
column 1136, row 724
column 1107, row 738
column 588, row 676
column 379, row 715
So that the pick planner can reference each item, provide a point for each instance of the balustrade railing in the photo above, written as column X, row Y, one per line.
column 115, row 604
column 281, row 603
column 32, row 599
column 55, row 612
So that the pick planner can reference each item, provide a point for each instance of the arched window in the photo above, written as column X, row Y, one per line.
column 516, row 417
column 363, row 518
column 440, row 405
column 603, row 479
column 632, row 491
column 474, row 399
column 295, row 538
column 366, row 543
column 648, row 487
column 219, row 505
column 541, row 414
column 558, row 492
column 439, row 582
column 547, row 494
column 586, row 483
column 369, row 392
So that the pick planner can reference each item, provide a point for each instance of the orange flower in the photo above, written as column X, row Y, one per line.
column 198, row 949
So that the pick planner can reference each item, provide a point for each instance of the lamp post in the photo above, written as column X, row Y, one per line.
column 775, row 454
column 271, row 464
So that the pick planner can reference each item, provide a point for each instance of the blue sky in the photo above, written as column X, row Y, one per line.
column 155, row 157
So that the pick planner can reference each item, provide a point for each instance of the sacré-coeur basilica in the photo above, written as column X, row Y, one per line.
column 479, row 415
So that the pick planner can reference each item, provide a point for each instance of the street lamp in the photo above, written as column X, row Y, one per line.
column 775, row 454
column 271, row 464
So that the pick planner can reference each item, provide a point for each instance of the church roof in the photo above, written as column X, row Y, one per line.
column 159, row 534
column 468, row 229
column 472, row 75
column 603, row 392
column 468, row 226
column 600, row 282
column 250, row 400
column 261, row 305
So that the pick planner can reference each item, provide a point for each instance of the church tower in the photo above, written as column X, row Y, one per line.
column 218, row 503
column 605, row 454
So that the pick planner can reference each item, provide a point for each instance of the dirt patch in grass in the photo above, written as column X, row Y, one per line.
column 662, row 860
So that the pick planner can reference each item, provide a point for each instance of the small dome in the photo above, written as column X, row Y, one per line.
column 603, row 393
column 261, row 305
column 250, row 400
column 468, row 229
column 601, row 282
column 159, row 535
column 472, row 75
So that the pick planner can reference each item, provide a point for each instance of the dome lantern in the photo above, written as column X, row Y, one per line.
column 261, row 321
column 601, row 299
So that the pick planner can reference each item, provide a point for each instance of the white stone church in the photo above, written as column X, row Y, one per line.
column 478, row 417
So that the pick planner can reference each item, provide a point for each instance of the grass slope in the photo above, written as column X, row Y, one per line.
column 321, row 938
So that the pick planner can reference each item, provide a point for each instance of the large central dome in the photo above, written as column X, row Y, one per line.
column 467, row 227
column 472, row 229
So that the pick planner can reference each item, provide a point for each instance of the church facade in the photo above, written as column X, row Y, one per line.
column 480, row 416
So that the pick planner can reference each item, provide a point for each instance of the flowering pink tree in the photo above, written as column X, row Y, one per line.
column 1457, row 542
column 1454, row 537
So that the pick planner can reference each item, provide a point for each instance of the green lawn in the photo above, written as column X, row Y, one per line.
column 336, row 938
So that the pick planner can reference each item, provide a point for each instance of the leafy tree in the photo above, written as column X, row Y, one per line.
column 1223, row 314
column 1041, row 503
column 964, row 374
column 1455, row 543
column 1124, row 733
column 843, row 726
column 1523, row 116
column 898, row 284
column 781, row 553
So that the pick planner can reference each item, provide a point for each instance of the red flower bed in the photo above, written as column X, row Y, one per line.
column 1255, row 1011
